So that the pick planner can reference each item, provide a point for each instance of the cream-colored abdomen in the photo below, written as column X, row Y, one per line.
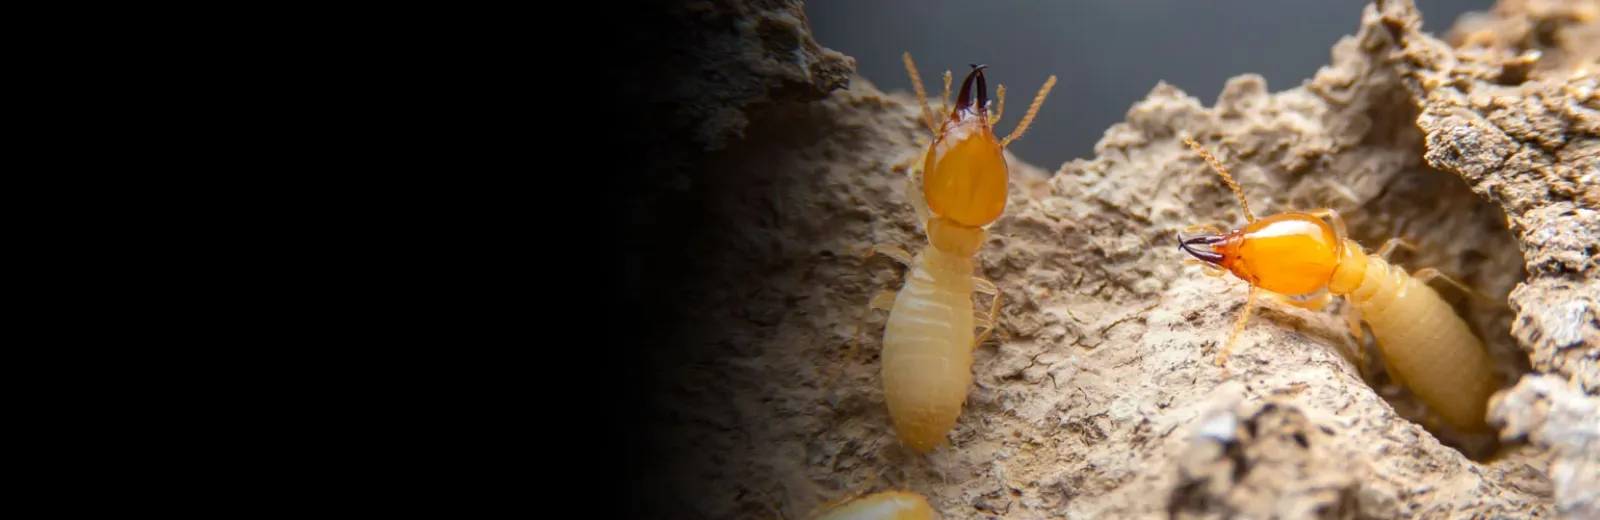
column 886, row 505
column 1427, row 345
column 927, row 348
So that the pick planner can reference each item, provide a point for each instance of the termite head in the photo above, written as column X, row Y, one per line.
column 965, row 176
column 1291, row 253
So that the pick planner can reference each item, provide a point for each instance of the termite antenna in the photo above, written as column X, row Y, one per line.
column 944, row 102
column 1000, row 104
column 922, row 95
column 1217, row 165
column 1027, row 119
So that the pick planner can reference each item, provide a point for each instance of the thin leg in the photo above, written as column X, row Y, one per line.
column 1315, row 304
column 900, row 255
column 1428, row 274
column 919, row 202
column 982, row 319
column 1333, row 218
column 984, row 286
column 883, row 301
column 1390, row 245
column 922, row 95
column 1209, row 228
column 1032, row 111
column 988, row 324
column 1352, row 319
column 1222, row 356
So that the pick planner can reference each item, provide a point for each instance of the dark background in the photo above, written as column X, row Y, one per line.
column 1106, row 54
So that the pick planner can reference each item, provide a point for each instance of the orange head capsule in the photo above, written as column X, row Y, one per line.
column 1291, row 253
column 965, row 176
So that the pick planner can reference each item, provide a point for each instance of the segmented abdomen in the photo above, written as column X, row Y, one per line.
column 886, row 505
column 1427, row 344
column 927, row 348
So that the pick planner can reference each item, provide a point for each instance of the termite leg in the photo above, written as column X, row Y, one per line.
column 919, row 202
column 1315, row 304
column 984, row 286
column 1390, row 245
column 1202, row 227
column 1349, row 313
column 987, row 322
column 1428, row 274
column 898, row 254
column 883, row 301
column 1222, row 356
column 1352, row 319
column 1333, row 218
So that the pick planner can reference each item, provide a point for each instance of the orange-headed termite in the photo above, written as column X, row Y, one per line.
column 1423, row 343
column 929, row 337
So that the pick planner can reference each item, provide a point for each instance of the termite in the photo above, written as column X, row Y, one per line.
column 1307, row 254
column 883, row 505
column 929, row 338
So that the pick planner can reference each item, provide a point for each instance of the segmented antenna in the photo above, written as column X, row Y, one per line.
column 1033, row 110
column 922, row 95
column 1217, row 165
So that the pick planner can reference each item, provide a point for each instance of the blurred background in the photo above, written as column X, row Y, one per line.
column 1106, row 54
